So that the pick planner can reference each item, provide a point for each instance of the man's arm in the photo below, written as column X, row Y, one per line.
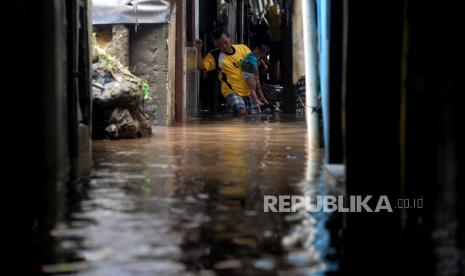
column 263, row 63
column 259, row 92
column 257, row 75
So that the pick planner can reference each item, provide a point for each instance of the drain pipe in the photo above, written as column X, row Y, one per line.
column 311, row 71
column 323, row 28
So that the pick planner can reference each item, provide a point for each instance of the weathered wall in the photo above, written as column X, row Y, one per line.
column 149, row 60
column 171, row 64
column 103, row 35
column 120, row 43
column 115, row 38
column 297, row 43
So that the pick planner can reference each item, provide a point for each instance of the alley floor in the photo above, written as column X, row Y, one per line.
column 189, row 201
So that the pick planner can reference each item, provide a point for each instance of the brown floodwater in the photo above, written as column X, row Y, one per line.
column 189, row 201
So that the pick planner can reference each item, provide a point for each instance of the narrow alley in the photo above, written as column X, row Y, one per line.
column 235, row 137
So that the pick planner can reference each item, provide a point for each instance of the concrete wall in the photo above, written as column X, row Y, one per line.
column 120, row 43
column 103, row 35
column 297, row 43
column 116, row 39
column 149, row 60
column 171, row 64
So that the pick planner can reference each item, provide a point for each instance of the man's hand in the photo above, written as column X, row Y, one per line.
column 257, row 101
column 260, row 95
column 263, row 100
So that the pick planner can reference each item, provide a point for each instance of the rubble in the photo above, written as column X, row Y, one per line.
column 118, row 99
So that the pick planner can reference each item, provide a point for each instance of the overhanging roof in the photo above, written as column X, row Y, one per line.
column 130, row 11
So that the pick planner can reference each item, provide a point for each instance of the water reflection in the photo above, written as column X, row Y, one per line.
column 189, row 201
column 310, row 241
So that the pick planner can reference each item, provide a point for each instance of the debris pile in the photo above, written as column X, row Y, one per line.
column 118, row 99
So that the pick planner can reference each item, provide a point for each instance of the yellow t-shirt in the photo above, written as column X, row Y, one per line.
column 229, row 69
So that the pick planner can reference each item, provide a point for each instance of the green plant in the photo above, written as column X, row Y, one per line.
column 145, row 88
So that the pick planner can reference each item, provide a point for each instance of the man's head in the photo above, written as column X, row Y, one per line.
column 261, row 50
column 222, row 41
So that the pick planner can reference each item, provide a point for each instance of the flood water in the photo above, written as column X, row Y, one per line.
column 189, row 201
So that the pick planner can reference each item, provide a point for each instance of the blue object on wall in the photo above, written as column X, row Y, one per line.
column 323, row 7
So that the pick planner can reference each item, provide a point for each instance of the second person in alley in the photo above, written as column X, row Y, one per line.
column 250, row 72
column 226, row 59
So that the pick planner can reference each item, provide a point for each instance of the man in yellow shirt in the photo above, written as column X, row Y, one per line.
column 226, row 59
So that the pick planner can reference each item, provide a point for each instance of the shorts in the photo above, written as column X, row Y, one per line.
column 238, row 103
column 247, row 75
